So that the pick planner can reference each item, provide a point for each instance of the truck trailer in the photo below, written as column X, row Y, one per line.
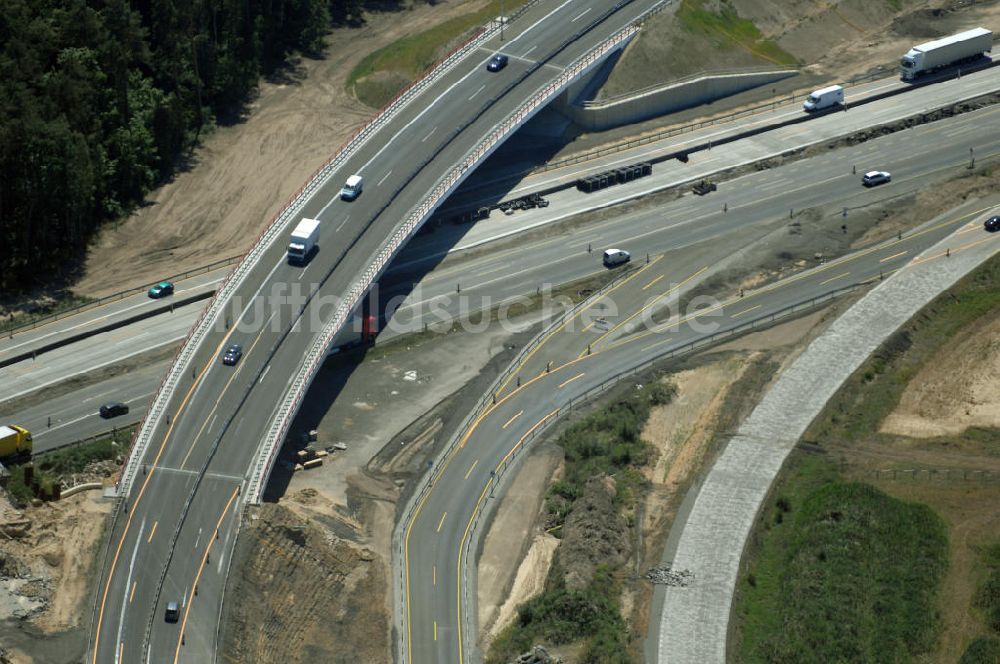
column 946, row 51
column 14, row 440
column 303, row 241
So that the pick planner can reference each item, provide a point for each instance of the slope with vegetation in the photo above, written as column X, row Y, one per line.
column 99, row 99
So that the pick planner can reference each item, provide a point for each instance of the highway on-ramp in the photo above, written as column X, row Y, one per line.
column 176, row 527
column 578, row 361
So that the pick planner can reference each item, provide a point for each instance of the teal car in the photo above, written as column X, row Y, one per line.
column 161, row 289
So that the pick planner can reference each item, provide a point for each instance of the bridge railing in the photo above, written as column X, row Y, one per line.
column 317, row 352
column 271, row 232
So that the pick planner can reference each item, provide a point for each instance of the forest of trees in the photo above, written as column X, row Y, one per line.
column 100, row 99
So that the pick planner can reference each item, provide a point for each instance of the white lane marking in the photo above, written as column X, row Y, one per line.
column 581, row 14
column 128, row 585
column 319, row 215
column 83, row 417
column 447, row 92
column 525, row 54
column 266, row 369
column 385, row 177
column 429, row 134
column 211, row 423
column 481, row 88
column 197, row 539
column 342, row 224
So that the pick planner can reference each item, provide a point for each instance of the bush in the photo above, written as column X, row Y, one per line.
column 984, row 650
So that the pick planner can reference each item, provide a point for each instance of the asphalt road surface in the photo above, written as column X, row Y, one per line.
column 438, row 535
column 174, row 539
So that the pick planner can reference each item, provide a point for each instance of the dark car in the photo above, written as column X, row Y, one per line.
column 113, row 409
column 993, row 223
column 497, row 62
column 161, row 289
column 232, row 354
column 875, row 178
column 172, row 613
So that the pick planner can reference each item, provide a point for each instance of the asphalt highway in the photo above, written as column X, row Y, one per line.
column 440, row 540
column 445, row 243
column 758, row 204
column 173, row 540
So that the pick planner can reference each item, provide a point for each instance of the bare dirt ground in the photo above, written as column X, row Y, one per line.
column 839, row 39
column 46, row 559
column 503, row 583
column 242, row 175
column 958, row 390
column 716, row 391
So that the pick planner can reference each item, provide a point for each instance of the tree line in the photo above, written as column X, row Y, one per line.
column 99, row 100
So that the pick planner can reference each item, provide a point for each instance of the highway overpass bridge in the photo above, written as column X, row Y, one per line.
column 211, row 434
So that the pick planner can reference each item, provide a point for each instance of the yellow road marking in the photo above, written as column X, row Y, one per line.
column 435, row 630
column 468, row 526
column 567, row 382
column 441, row 522
column 204, row 560
column 152, row 532
column 508, row 422
column 658, row 343
column 745, row 311
column 839, row 276
column 142, row 491
column 131, row 595
column 654, row 281
column 566, row 322
column 471, row 467
column 889, row 258
column 643, row 309
column 435, row 571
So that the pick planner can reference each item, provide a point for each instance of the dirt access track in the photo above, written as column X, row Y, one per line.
column 242, row 175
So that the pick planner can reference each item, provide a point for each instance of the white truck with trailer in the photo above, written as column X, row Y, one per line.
column 303, row 241
column 933, row 55
column 824, row 98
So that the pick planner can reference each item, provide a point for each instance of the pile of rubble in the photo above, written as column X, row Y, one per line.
column 667, row 576
column 537, row 655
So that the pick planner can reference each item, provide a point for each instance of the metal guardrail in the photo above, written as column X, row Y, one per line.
column 264, row 240
column 10, row 331
column 513, row 456
column 267, row 237
column 444, row 186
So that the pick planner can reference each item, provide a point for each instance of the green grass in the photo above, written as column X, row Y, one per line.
column 988, row 595
column 65, row 303
column 727, row 29
column 869, row 395
column 984, row 650
column 404, row 60
column 51, row 468
column 606, row 442
column 841, row 573
column 560, row 615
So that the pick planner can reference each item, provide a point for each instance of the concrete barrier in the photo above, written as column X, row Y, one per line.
column 662, row 99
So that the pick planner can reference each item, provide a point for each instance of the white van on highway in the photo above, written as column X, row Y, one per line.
column 616, row 257
column 352, row 188
column 824, row 98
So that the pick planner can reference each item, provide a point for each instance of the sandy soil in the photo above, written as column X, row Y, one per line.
column 56, row 550
column 243, row 174
column 958, row 389
column 500, row 589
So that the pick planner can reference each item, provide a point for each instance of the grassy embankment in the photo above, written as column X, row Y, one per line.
column 605, row 443
column 727, row 29
column 381, row 74
column 838, row 570
column 51, row 468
